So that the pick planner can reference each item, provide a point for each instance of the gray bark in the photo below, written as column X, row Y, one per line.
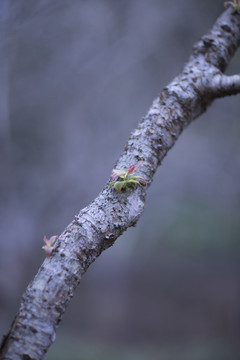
column 96, row 227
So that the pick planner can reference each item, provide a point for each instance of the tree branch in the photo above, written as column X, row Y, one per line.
column 96, row 227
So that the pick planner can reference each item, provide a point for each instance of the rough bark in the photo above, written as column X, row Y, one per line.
column 96, row 227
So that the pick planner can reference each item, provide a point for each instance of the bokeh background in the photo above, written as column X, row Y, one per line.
column 75, row 78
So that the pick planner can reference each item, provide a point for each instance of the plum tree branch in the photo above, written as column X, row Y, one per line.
column 96, row 227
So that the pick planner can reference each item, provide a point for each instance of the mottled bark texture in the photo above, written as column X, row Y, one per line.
column 97, row 226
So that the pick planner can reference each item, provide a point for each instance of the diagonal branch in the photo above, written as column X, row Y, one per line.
column 96, row 227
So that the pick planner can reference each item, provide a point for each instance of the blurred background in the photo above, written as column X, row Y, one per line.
column 75, row 78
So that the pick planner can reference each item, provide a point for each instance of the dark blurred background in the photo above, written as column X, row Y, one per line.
column 75, row 78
